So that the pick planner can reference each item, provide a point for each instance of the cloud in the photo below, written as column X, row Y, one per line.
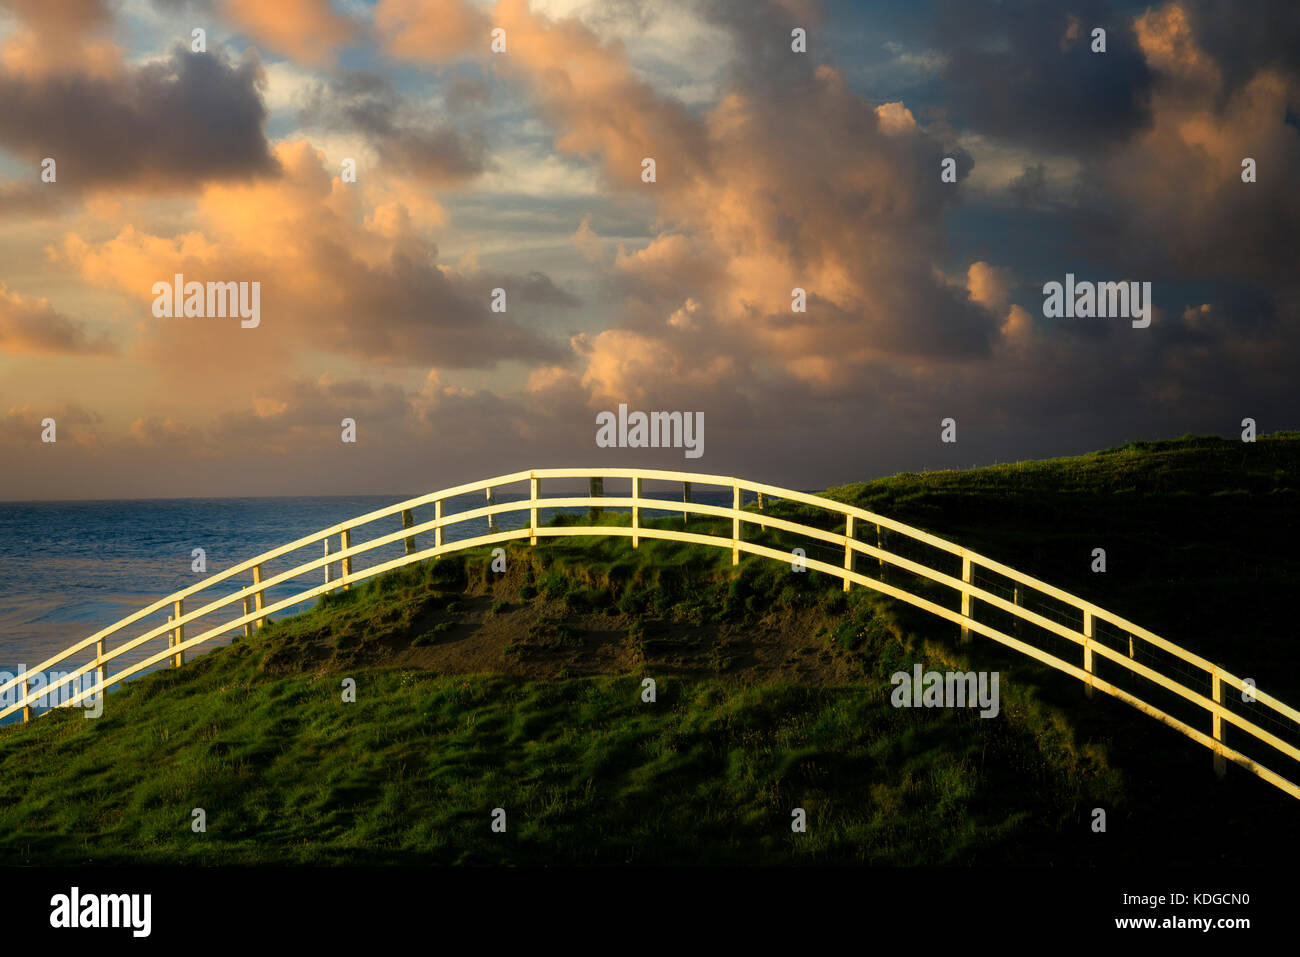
column 988, row 285
column 581, row 86
column 293, row 414
column 588, row 242
column 1170, row 200
column 1029, row 189
column 430, row 30
column 895, row 118
column 168, row 125
column 464, row 94
column 406, row 142
column 33, row 327
column 309, row 31
column 786, row 175
column 74, row 425
column 333, row 277
column 626, row 366
column 856, row 221
column 58, row 38
column 1023, row 71
column 1245, row 39
column 154, row 430
column 30, row 199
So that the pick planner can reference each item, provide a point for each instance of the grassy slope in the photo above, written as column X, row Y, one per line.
column 1199, row 535
column 256, row 733
column 1201, row 548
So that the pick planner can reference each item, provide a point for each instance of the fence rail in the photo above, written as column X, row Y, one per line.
column 1183, row 674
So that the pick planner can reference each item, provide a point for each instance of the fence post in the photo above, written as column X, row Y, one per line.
column 99, row 665
column 248, row 610
column 597, row 490
column 848, row 548
column 437, row 532
column 762, row 510
column 535, row 492
column 735, row 524
column 1087, row 650
column 490, row 495
column 259, row 595
column 327, row 564
column 1220, row 762
column 27, row 708
column 345, row 566
column 179, row 658
column 1015, row 600
column 686, row 497
column 636, row 511
column 965, row 592
column 881, row 547
column 408, row 520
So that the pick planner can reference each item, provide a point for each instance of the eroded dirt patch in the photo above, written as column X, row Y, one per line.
column 506, row 627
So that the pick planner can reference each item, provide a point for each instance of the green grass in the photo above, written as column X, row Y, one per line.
column 286, row 772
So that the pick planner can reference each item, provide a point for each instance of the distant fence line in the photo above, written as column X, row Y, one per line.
column 976, row 585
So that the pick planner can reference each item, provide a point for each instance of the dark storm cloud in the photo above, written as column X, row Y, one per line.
column 186, row 120
column 1245, row 37
column 1013, row 73
column 1030, row 187
column 407, row 138
column 765, row 62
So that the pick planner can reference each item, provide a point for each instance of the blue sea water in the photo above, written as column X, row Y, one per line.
column 73, row 568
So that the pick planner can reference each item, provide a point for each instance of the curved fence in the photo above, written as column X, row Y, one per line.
column 982, row 596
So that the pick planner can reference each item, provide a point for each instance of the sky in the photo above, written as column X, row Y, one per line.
column 522, row 170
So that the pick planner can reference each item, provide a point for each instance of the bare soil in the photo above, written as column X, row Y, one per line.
column 784, row 645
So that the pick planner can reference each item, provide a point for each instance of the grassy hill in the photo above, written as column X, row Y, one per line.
column 522, row 691
column 1199, row 535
